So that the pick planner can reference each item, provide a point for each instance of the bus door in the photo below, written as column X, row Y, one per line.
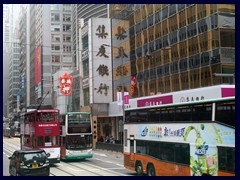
column 132, row 148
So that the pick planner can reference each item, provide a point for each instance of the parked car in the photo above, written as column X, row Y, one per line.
column 29, row 163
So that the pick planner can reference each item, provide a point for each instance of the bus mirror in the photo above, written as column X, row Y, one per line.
column 48, row 154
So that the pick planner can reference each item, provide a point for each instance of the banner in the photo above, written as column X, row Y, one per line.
column 38, row 73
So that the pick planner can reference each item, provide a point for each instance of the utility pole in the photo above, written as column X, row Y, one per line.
column 123, row 101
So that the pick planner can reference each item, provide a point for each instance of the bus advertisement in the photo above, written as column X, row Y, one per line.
column 76, row 135
column 41, row 130
column 194, row 138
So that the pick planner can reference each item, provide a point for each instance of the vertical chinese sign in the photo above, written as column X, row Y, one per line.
column 65, row 82
column 38, row 73
column 100, row 60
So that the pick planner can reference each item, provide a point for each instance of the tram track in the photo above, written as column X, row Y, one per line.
column 86, row 169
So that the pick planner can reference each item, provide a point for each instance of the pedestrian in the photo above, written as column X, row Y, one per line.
column 107, row 139
column 112, row 141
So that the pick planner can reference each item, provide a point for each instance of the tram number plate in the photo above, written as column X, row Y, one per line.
column 34, row 165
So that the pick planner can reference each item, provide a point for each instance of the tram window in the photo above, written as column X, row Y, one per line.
column 38, row 117
column 55, row 140
column 40, row 140
column 55, row 116
column 47, row 117
column 48, row 141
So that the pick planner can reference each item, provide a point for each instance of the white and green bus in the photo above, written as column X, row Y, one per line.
column 76, row 135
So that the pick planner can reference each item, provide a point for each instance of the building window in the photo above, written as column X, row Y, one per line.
column 55, row 27
column 55, row 47
column 66, row 17
column 67, row 7
column 55, row 58
column 55, row 38
column 55, row 7
column 66, row 58
column 55, row 17
column 55, row 69
column 66, row 38
column 66, row 48
column 66, row 28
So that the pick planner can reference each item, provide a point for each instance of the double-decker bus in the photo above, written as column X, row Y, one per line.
column 41, row 130
column 76, row 135
column 183, row 133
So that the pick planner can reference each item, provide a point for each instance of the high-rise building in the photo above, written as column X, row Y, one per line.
column 10, row 61
column 174, row 47
column 51, row 47
column 24, row 47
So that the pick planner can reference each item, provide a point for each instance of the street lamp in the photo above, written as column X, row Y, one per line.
column 123, row 108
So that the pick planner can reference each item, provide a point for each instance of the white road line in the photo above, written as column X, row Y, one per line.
column 100, row 154
column 117, row 168
column 119, row 165
column 73, row 169
column 108, row 162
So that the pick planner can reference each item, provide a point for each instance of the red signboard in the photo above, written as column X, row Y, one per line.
column 38, row 72
column 47, row 129
column 66, row 84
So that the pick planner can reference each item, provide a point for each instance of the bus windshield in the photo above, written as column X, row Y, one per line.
column 78, row 142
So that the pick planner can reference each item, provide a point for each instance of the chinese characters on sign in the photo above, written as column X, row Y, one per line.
column 120, row 33
column 103, row 87
column 121, row 70
column 121, row 50
column 101, row 29
column 66, row 84
column 102, row 52
column 103, row 70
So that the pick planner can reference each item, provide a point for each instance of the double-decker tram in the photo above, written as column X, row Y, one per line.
column 183, row 133
column 41, row 130
column 76, row 135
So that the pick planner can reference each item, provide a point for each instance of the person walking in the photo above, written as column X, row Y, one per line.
column 107, row 139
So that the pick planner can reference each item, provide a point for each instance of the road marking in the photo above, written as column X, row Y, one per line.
column 119, row 165
column 100, row 154
column 73, row 169
column 117, row 168
column 108, row 162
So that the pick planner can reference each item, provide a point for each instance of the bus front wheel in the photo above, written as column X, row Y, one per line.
column 139, row 168
column 151, row 170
